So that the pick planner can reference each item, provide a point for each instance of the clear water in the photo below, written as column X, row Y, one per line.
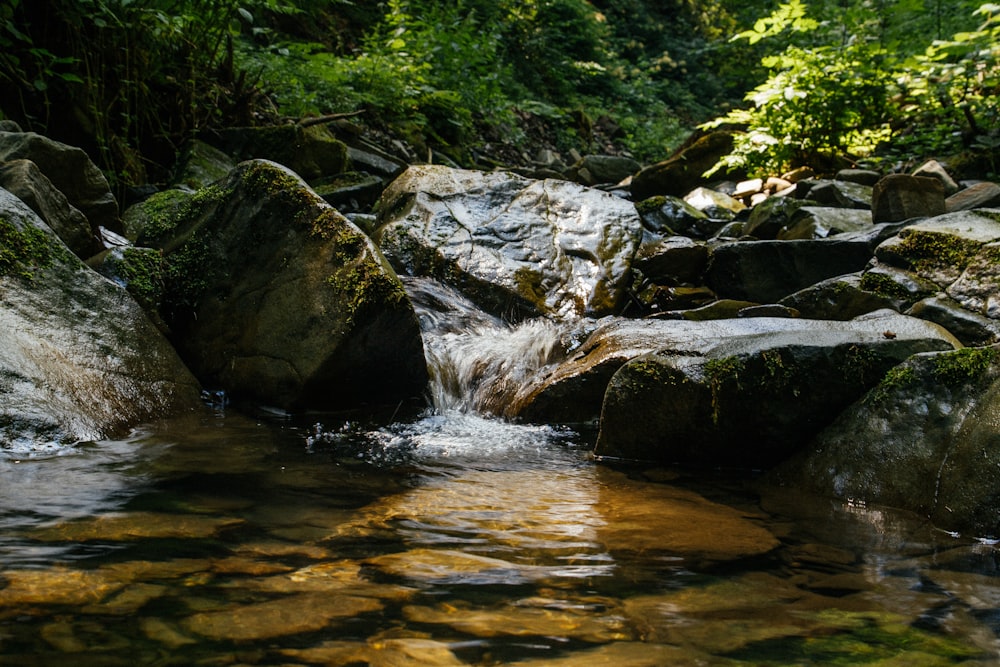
column 452, row 538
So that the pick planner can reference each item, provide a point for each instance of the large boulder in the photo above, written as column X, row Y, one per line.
column 819, row 222
column 685, row 169
column 903, row 197
column 515, row 246
column 276, row 297
column 24, row 179
column 839, row 298
column 79, row 360
column 753, row 400
column 925, row 439
column 70, row 170
column 311, row 152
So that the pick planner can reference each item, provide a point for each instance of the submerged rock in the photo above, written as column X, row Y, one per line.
column 276, row 297
column 79, row 360
column 514, row 246
column 752, row 400
column 925, row 439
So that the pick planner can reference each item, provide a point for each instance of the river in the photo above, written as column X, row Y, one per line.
column 451, row 537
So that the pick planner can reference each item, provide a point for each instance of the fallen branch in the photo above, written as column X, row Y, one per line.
column 309, row 122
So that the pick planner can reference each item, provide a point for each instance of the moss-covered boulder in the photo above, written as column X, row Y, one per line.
column 684, row 170
column 79, row 360
column 276, row 297
column 753, row 400
column 515, row 246
column 311, row 152
column 924, row 439
column 839, row 298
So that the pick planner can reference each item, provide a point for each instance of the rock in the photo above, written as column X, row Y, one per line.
column 24, row 180
column 819, row 222
column 673, row 260
column 201, row 165
column 149, row 218
column 934, row 169
column 753, row 400
column 799, row 174
column 771, row 216
column 375, row 161
column 902, row 197
column 979, row 195
column 79, row 360
column 311, row 152
column 668, row 216
column 838, row 298
column 600, row 169
column 70, row 171
column 943, row 248
column 350, row 191
column 978, row 289
column 839, row 194
column 514, row 246
column 279, row 299
column 684, row 170
column 924, row 440
column 860, row 176
column 767, row 310
column 716, row 205
column 767, row 271
column 970, row 328
column 748, row 188
column 720, row 309
column 661, row 298
column 900, row 287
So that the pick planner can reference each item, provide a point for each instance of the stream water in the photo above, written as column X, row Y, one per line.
column 451, row 538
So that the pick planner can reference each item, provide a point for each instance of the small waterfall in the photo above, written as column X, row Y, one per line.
column 478, row 363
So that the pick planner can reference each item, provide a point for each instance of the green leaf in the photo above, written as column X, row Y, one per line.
column 247, row 16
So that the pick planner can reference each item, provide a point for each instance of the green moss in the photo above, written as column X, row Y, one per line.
column 930, row 250
column 860, row 363
column 988, row 214
column 365, row 282
column 650, row 205
column 883, row 285
column 718, row 373
column 529, row 285
column 962, row 366
column 24, row 251
column 142, row 270
column 897, row 378
column 778, row 374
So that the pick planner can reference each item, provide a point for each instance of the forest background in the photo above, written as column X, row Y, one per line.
column 877, row 82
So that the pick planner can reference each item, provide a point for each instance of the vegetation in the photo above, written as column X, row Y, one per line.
column 133, row 80
column 25, row 249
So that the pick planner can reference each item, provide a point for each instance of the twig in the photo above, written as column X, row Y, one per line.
column 309, row 122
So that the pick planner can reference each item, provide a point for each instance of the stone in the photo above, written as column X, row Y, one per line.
column 839, row 194
column 902, row 288
column 978, row 288
column 819, row 222
column 71, row 171
column 752, row 401
column 201, row 165
column 716, row 205
column 374, row 161
column 903, row 197
column 350, row 191
column 684, row 170
column 748, row 188
column 276, row 297
column 673, row 260
column 767, row 271
column 867, row 177
column 979, row 195
column 79, row 360
column 768, row 310
column 24, row 180
column 934, row 169
column 970, row 328
column 923, row 440
column 771, row 216
column 130, row 526
column 669, row 216
column 311, row 152
column 599, row 169
column 514, row 246
column 838, row 298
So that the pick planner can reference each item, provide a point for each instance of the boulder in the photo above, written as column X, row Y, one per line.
column 516, row 247
column 767, row 271
column 79, row 360
column 968, row 327
column 72, row 173
column 673, row 260
column 201, row 165
column 279, row 299
column 667, row 216
column 837, row 194
column 684, row 170
column 311, row 152
column 603, row 169
column 716, row 205
column 901, row 288
column 753, row 400
column 351, row 191
column 979, row 195
column 934, row 169
column 924, row 439
column 867, row 177
column 838, row 298
column 902, row 197
column 819, row 222
column 772, row 215
column 24, row 180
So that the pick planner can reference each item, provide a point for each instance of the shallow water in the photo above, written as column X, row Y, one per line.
column 455, row 539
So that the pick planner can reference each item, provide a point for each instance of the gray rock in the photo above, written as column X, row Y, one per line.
column 79, row 360
column 599, row 169
column 978, row 195
column 716, row 205
column 860, row 176
column 514, row 246
column 673, row 260
column 202, row 165
column 276, row 297
column 934, row 169
column 838, row 298
column 902, row 197
column 767, row 271
column 902, row 288
column 71, row 171
column 838, row 194
column 24, row 180
column 772, row 215
column 924, row 439
column 968, row 327
column 819, row 222
column 669, row 216
column 753, row 400
column 683, row 171
column 311, row 152
column 350, row 191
